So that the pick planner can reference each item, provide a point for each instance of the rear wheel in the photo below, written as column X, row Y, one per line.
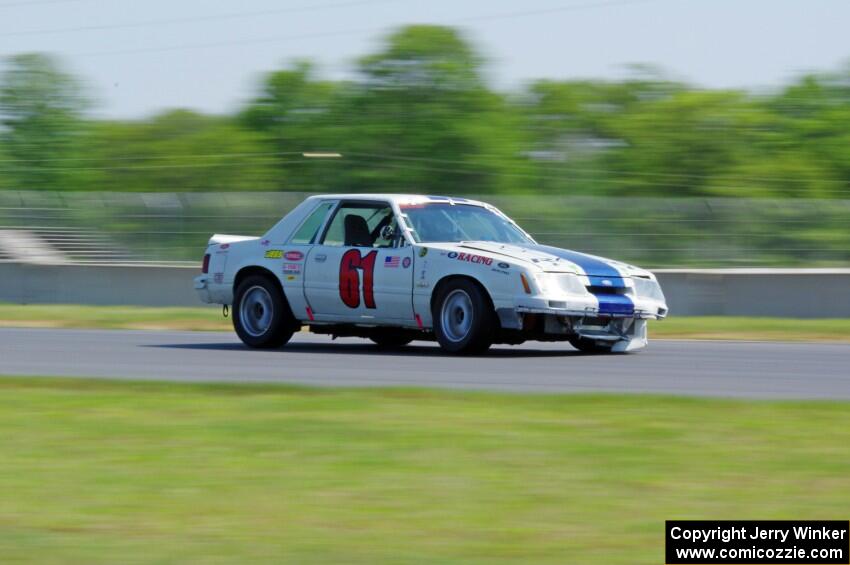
column 464, row 321
column 586, row 345
column 261, row 316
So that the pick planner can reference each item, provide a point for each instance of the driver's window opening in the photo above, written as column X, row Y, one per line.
column 363, row 225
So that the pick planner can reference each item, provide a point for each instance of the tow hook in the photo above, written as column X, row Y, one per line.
column 225, row 310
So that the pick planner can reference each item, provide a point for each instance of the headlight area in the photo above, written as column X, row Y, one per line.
column 556, row 284
column 649, row 289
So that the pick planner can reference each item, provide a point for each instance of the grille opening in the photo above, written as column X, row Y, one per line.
column 606, row 290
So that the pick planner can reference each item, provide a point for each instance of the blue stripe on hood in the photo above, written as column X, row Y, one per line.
column 601, row 274
column 595, row 269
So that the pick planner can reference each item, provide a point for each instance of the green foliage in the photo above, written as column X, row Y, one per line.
column 176, row 151
column 40, row 115
column 419, row 116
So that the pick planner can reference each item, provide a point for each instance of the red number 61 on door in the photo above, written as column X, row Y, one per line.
column 349, row 278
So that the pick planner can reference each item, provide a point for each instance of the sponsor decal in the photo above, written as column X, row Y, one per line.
column 406, row 263
column 218, row 278
column 291, row 269
column 265, row 243
column 291, row 277
column 293, row 256
column 423, row 252
column 392, row 261
column 500, row 271
column 471, row 258
column 224, row 246
column 274, row 254
column 421, row 281
column 504, row 266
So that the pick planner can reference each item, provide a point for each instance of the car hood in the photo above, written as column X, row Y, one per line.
column 554, row 259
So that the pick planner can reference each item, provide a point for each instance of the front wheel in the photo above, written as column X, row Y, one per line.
column 261, row 316
column 464, row 321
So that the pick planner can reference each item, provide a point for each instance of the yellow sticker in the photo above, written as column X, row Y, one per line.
column 274, row 254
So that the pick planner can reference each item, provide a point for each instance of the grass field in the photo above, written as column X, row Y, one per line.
column 122, row 317
column 99, row 472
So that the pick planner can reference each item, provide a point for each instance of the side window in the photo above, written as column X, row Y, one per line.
column 311, row 225
column 360, row 225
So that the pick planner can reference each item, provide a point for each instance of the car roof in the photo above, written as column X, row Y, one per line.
column 400, row 199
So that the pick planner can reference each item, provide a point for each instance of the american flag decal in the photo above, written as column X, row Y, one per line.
column 391, row 261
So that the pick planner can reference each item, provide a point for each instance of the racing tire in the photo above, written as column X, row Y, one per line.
column 464, row 320
column 590, row 346
column 390, row 339
column 261, row 317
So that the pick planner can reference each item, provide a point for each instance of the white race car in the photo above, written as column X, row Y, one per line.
column 393, row 268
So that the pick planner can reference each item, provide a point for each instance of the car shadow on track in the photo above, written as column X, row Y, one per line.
column 424, row 350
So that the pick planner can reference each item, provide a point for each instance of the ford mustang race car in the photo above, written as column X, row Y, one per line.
column 394, row 268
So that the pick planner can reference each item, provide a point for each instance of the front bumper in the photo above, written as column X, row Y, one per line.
column 564, row 316
column 588, row 307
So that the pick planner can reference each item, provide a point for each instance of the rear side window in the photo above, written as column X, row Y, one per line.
column 311, row 225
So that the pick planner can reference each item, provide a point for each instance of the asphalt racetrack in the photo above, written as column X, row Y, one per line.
column 695, row 368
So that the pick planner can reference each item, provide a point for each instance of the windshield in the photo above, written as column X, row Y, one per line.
column 444, row 222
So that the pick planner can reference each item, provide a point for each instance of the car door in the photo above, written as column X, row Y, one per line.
column 290, row 256
column 361, row 270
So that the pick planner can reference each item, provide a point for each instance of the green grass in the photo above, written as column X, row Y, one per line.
column 112, row 317
column 144, row 318
column 729, row 327
column 99, row 472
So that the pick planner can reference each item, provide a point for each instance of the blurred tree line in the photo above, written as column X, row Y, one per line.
column 419, row 116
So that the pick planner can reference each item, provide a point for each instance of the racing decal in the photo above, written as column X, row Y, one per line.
column 218, row 278
column 406, row 263
column 504, row 266
column 349, row 278
column 423, row 252
column 265, row 243
column 470, row 258
column 293, row 256
column 224, row 246
column 392, row 261
column 273, row 254
column 291, row 268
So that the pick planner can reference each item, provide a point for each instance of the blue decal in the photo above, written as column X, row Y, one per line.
column 615, row 304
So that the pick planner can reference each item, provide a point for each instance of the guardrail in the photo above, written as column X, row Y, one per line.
column 663, row 232
column 795, row 293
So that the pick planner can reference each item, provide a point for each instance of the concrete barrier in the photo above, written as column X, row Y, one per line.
column 787, row 293
column 793, row 293
column 132, row 285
